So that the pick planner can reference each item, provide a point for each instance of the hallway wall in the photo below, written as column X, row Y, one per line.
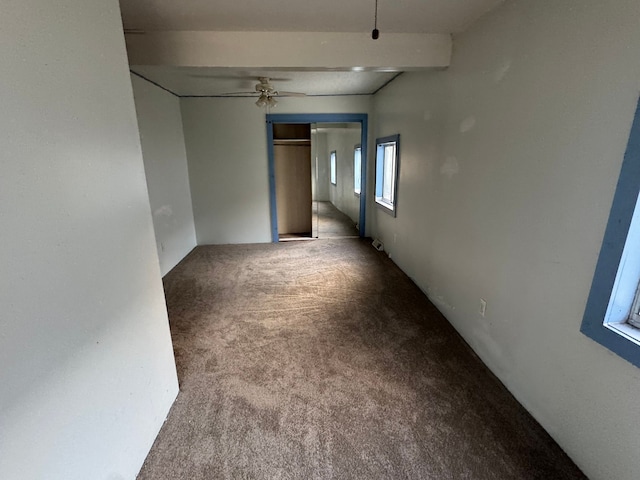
column 343, row 141
column 166, row 171
column 87, row 372
column 342, row 195
column 508, row 165
column 319, row 167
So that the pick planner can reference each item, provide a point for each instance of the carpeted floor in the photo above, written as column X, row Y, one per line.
column 329, row 222
column 320, row 360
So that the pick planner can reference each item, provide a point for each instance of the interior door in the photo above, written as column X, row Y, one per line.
column 293, row 188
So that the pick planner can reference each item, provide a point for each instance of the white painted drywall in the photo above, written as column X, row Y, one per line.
column 226, row 145
column 320, row 179
column 165, row 165
column 247, row 49
column 87, row 371
column 509, row 161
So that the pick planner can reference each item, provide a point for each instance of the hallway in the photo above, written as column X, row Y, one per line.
column 327, row 222
column 316, row 360
column 331, row 222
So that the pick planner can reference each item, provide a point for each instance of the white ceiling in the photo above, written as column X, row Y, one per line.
column 211, row 81
column 400, row 16
column 394, row 16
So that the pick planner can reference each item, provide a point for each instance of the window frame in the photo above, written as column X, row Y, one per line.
column 604, row 321
column 357, row 171
column 333, row 168
column 388, row 205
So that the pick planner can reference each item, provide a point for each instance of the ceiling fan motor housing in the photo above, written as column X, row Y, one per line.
column 265, row 87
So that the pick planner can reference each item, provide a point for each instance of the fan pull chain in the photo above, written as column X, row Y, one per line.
column 375, row 33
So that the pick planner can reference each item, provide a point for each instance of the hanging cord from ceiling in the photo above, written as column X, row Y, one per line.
column 375, row 33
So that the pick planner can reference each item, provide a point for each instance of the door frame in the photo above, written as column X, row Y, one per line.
column 361, row 118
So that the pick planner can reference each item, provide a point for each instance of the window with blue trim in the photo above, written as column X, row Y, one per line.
column 387, row 163
column 357, row 169
column 612, row 314
column 333, row 168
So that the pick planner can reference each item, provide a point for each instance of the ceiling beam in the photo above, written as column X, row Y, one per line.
column 295, row 50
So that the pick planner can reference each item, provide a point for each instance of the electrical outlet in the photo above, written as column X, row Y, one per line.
column 483, row 307
column 377, row 244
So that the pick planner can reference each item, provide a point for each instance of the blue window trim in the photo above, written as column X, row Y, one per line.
column 622, row 209
column 361, row 118
column 379, row 173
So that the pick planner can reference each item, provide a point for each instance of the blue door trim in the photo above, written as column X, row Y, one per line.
column 361, row 118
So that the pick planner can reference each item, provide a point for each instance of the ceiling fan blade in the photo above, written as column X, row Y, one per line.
column 238, row 94
column 290, row 94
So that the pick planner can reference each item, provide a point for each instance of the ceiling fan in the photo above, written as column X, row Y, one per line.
column 266, row 93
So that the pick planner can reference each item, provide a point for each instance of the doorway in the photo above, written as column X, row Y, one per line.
column 336, row 179
column 293, row 179
column 347, row 123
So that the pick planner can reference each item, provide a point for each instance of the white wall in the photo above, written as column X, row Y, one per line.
column 320, row 167
column 226, row 145
column 87, row 370
column 302, row 50
column 509, row 161
column 165, row 165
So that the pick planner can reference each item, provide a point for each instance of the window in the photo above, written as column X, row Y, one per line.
column 387, row 160
column 357, row 169
column 613, row 308
column 332, row 167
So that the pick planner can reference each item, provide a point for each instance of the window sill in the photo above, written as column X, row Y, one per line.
column 386, row 207
column 625, row 330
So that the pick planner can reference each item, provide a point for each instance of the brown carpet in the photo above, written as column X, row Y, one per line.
column 321, row 359
column 329, row 222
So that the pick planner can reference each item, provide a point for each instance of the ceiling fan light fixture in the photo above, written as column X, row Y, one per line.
column 262, row 101
column 266, row 94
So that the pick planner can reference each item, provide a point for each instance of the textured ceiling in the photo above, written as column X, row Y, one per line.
column 204, row 81
column 401, row 16
column 394, row 16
